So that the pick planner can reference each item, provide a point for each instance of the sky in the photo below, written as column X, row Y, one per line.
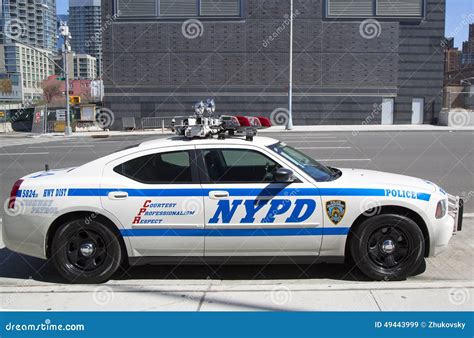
column 459, row 13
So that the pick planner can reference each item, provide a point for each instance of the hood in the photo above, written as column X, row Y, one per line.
column 372, row 178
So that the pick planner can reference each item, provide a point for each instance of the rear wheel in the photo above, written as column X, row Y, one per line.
column 388, row 247
column 86, row 252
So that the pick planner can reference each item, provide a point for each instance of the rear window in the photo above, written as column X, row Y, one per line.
column 163, row 168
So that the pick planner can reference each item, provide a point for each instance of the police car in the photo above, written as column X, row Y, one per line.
column 233, row 200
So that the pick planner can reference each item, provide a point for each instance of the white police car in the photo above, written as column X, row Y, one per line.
column 212, row 201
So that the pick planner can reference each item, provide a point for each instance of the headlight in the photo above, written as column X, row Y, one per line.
column 441, row 209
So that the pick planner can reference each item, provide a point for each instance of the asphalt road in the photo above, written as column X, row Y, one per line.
column 445, row 158
column 442, row 157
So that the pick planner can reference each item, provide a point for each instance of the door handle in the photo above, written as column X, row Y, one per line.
column 218, row 195
column 118, row 195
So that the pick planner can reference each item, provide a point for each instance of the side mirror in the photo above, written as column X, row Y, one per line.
column 283, row 175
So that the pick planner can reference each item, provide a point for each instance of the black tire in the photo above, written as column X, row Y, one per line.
column 100, row 257
column 388, row 247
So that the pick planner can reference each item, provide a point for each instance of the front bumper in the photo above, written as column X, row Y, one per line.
column 456, row 211
column 446, row 227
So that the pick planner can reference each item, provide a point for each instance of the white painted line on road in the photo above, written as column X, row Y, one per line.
column 69, row 146
column 95, row 142
column 469, row 215
column 307, row 138
column 21, row 154
column 320, row 141
column 343, row 159
column 307, row 148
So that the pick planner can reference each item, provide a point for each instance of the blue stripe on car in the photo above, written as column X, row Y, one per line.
column 269, row 192
column 233, row 232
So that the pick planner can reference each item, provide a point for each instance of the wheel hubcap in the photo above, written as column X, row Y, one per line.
column 388, row 246
column 87, row 249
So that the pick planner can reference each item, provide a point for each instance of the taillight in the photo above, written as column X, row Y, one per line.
column 15, row 188
column 441, row 209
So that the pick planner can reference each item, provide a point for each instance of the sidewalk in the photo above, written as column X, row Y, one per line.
column 447, row 285
column 278, row 129
column 380, row 296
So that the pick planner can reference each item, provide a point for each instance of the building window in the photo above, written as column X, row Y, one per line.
column 349, row 8
column 400, row 8
column 136, row 7
column 374, row 8
column 179, row 8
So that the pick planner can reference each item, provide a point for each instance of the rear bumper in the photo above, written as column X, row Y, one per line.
column 19, row 235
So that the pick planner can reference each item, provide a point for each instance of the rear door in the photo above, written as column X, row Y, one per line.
column 157, row 197
column 248, row 214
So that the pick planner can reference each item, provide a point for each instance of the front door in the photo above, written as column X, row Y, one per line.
column 157, row 197
column 248, row 213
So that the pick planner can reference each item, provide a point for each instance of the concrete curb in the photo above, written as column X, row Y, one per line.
column 367, row 128
column 355, row 129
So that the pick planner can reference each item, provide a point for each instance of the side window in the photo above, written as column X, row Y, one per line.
column 164, row 168
column 238, row 166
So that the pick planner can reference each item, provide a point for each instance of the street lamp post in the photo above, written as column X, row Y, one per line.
column 64, row 32
column 289, row 125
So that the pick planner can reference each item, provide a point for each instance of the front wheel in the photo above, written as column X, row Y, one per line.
column 388, row 247
column 86, row 252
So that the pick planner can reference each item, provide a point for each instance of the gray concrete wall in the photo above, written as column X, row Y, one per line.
column 152, row 69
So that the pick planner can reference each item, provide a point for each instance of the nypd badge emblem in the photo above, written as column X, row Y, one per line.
column 335, row 210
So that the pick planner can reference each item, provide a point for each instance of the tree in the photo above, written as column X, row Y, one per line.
column 51, row 91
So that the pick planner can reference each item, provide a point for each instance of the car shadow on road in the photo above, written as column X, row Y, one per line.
column 241, row 272
column 18, row 266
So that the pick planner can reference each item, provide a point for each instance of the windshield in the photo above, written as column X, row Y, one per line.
column 316, row 170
